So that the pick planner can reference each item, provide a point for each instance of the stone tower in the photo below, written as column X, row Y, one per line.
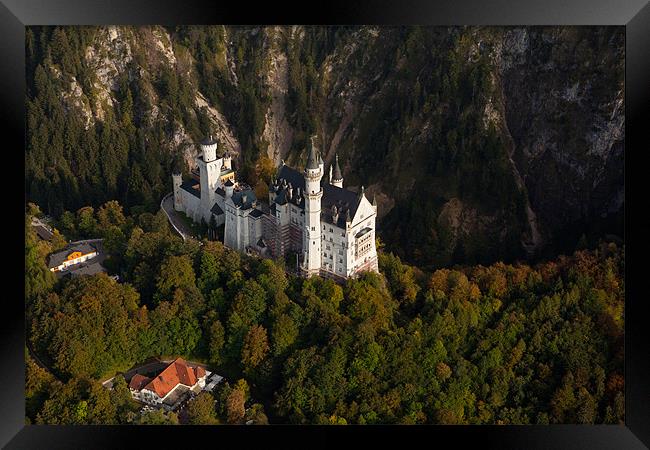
column 177, row 179
column 313, row 195
column 209, row 170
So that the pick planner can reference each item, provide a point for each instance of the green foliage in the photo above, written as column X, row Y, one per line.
column 92, row 329
column 157, row 417
column 201, row 411
column 38, row 278
column 254, row 348
column 482, row 344
column 175, row 272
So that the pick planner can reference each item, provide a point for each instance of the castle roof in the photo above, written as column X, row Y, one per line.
column 297, row 179
column 256, row 213
column 216, row 210
column 189, row 186
column 244, row 198
column 208, row 140
column 336, row 175
column 313, row 159
column 344, row 199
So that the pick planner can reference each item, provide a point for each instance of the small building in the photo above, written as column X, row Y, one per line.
column 88, row 269
column 43, row 233
column 71, row 256
column 177, row 382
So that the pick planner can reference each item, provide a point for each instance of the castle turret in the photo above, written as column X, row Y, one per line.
column 209, row 173
column 229, row 188
column 227, row 161
column 177, row 180
column 337, row 176
column 209, row 149
column 313, row 195
column 321, row 164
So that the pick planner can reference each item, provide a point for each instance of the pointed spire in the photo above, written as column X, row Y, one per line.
column 374, row 200
column 347, row 216
column 363, row 191
column 337, row 169
column 314, row 158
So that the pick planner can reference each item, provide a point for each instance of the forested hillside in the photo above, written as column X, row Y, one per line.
column 505, row 344
column 481, row 144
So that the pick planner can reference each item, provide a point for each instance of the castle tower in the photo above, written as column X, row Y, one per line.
column 229, row 188
column 227, row 161
column 177, row 179
column 209, row 171
column 337, row 176
column 313, row 195
column 209, row 149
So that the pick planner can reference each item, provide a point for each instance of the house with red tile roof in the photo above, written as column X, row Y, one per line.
column 171, row 386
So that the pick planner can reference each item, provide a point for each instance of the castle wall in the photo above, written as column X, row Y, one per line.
column 191, row 205
column 361, row 251
column 231, row 229
column 334, row 256
column 254, row 229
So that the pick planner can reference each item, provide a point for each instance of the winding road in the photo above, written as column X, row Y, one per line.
column 177, row 223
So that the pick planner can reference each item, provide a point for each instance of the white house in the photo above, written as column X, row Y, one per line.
column 169, row 387
column 71, row 256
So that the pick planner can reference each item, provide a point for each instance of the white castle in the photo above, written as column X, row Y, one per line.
column 331, row 228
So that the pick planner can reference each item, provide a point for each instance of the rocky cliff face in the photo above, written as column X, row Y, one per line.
column 479, row 143
column 563, row 95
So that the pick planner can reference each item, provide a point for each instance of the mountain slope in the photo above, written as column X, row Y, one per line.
column 479, row 143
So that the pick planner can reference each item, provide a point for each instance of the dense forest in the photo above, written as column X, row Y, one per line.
column 501, row 343
column 482, row 144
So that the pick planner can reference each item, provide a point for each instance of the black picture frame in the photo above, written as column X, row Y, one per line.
column 633, row 14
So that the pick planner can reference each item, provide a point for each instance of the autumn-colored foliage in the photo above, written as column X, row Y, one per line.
column 504, row 343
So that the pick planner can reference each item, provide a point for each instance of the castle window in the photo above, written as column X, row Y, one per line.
column 331, row 230
column 313, row 228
